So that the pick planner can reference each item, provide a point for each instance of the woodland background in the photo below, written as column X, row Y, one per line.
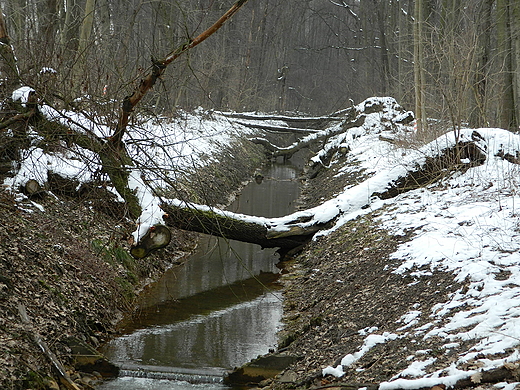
column 446, row 59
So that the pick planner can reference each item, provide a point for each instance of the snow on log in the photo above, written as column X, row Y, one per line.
column 308, row 140
column 377, row 112
column 319, row 122
column 277, row 129
column 424, row 167
column 268, row 233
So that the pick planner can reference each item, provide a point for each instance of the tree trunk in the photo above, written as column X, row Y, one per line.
column 232, row 226
column 515, row 59
column 419, row 70
column 295, row 230
column 288, row 151
column 478, row 117
column 80, row 62
column 9, row 74
column 507, row 113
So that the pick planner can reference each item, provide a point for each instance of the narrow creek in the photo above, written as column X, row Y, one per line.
column 217, row 311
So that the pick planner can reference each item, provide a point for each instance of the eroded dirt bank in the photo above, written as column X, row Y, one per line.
column 344, row 283
column 65, row 261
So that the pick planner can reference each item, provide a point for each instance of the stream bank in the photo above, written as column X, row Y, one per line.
column 65, row 260
column 219, row 310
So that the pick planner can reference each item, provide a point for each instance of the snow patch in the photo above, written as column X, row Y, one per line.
column 370, row 341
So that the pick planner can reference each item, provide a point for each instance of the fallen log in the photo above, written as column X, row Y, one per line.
column 293, row 231
column 157, row 237
column 319, row 122
column 288, row 151
column 255, row 230
column 278, row 129
column 32, row 188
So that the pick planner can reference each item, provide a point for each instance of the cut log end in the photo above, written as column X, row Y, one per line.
column 33, row 189
column 157, row 237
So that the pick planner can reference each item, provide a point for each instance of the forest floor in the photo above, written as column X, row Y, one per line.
column 343, row 283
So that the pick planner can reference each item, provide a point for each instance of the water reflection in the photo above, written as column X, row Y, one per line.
column 129, row 383
column 220, row 309
column 223, row 338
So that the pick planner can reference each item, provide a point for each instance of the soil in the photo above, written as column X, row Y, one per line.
column 68, row 265
column 65, row 260
column 341, row 284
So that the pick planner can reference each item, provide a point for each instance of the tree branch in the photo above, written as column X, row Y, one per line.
column 157, row 70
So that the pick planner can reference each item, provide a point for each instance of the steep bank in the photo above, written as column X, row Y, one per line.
column 418, row 288
column 65, row 261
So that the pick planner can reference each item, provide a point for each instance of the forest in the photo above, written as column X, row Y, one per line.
column 125, row 124
column 445, row 59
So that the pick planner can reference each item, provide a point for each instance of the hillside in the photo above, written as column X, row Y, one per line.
column 410, row 280
column 415, row 289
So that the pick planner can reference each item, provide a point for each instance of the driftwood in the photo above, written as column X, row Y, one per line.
column 58, row 366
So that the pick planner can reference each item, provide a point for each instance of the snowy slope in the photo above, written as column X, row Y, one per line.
column 466, row 224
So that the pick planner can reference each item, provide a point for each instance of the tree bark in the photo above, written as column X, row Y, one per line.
column 85, row 31
column 419, row 72
column 255, row 230
column 277, row 129
column 478, row 117
column 515, row 59
column 9, row 73
column 504, row 41
column 302, row 122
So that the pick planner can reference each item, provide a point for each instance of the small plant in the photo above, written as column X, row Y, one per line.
column 115, row 255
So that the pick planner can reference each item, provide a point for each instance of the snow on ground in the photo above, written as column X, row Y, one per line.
column 163, row 150
column 466, row 224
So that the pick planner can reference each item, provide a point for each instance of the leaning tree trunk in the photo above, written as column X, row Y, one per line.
column 292, row 231
column 157, row 69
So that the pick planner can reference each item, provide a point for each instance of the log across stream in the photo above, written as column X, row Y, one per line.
column 219, row 310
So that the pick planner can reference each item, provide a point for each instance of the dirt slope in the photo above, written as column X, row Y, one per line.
column 65, row 260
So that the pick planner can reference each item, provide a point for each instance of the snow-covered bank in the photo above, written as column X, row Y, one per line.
column 64, row 258
column 464, row 225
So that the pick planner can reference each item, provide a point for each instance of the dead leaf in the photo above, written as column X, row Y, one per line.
column 476, row 378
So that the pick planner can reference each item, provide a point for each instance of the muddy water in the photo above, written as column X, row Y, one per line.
column 219, row 310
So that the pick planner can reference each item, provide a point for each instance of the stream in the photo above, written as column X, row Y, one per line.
column 217, row 311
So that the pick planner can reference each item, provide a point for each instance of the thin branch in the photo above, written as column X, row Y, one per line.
column 157, row 70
